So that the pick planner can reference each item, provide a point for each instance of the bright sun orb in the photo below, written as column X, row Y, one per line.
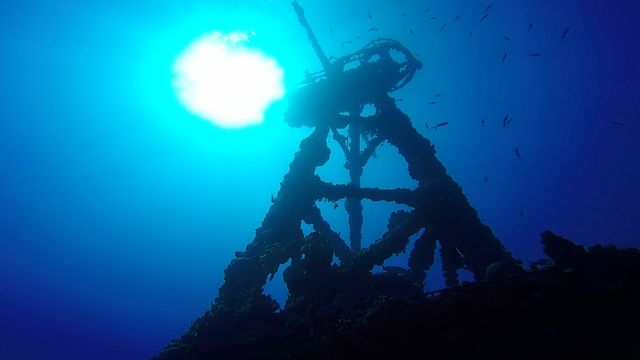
column 219, row 79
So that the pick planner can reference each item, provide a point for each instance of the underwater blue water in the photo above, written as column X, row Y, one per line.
column 119, row 209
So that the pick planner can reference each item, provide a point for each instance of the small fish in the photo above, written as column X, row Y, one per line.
column 504, row 57
column 433, row 102
column 535, row 54
column 565, row 32
column 331, row 30
column 335, row 205
column 484, row 17
column 530, row 27
column 404, row 14
column 521, row 214
column 373, row 28
column 425, row 11
column 621, row 123
column 347, row 42
column 432, row 18
column 437, row 95
column 444, row 123
column 507, row 38
column 370, row 16
column 456, row 18
column 517, row 151
column 488, row 8
column 486, row 178
column 470, row 34
column 443, row 27
column 506, row 121
column 410, row 30
column 483, row 122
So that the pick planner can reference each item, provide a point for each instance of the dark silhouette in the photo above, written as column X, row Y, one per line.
column 444, row 123
column 506, row 121
column 517, row 152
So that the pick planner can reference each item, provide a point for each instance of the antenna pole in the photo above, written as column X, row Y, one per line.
column 312, row 37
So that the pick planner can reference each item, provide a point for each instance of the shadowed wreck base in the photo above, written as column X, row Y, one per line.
column 579, row 304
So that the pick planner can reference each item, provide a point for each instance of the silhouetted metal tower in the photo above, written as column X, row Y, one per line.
column 331, row 101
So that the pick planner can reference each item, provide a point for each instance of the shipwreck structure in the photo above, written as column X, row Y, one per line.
column 331, row 102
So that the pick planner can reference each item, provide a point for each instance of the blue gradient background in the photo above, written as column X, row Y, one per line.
column 119, row 210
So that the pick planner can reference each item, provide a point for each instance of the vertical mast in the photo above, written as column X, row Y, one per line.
column 352, row 205
column 326, row 65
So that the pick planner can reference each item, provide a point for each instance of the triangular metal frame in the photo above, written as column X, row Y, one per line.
column 438, row 203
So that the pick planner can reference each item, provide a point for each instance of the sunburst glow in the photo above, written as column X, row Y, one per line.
column 221, row 80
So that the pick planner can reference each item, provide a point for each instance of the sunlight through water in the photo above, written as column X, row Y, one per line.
column 220, row 79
